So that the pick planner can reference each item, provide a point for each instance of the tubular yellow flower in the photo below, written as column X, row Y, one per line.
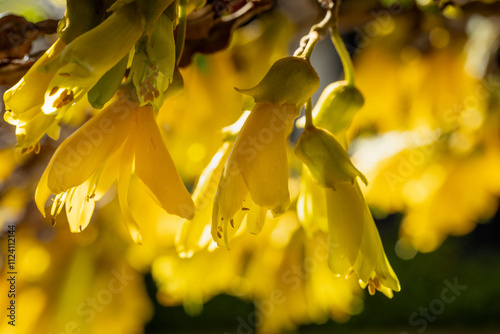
column 255, row 176
column 355, row 245
column 40, row 100
column 195, row 234
column 89, row 56
column 86, row 163
column 256, row 171
column 24, row 101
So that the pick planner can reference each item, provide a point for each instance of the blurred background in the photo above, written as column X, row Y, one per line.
column 427, row 138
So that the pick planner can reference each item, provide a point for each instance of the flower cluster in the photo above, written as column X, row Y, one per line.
column 256, row 190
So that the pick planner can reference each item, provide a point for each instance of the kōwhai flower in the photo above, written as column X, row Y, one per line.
column 23, row 103
column 122, row 140
column 355, row 245
column 255, row 176
column 89, row 56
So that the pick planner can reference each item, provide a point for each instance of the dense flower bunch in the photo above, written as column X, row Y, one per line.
column 196, row 165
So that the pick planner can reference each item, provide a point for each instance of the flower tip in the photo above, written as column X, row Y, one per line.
column 363, row 178
column 136, row 236
column 279, row 210
column 187, row 209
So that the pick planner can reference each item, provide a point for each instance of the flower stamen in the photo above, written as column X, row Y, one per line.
column 371, row 287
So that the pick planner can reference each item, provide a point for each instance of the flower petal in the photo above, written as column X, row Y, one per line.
column 192, row 235
column 345, row 224
column 123, row 187
column 255, row 218
column 260, row 155
column 79, row 207
column 29, row 133
column 87, row 149
column 42, row 192
column 230, row 198
column 154, row 166
column 28, row 93
column 311, row 205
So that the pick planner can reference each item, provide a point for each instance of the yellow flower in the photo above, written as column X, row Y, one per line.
column 122, row 140
column 311, row 205
column 23, row 103
column 195, row 234
column 355, row 245
column 256, row 172
column 255, row 177
column 89, row 56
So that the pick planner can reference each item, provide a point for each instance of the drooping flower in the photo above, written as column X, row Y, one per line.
column 89, row 56
column 195, row 234
column 65, row 73
column 355, row 245
column 256, row 172
column 23, row 103
column 255, row 176
column 122, row 140
column 355, row 242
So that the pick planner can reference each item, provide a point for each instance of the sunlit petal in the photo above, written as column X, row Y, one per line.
column 154, row 166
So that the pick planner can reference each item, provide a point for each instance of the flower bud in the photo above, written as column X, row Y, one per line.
column 336, row 107
column 325, row 158
column 291, row 80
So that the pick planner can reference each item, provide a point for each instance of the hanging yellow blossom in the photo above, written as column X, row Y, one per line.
column 255, row 177
column 123, row 139
column 23, row 103
column 355, row 245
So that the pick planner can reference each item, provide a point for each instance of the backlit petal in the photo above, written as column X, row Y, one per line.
column 311, row 205
column 355, row 243
column 29, row 92
column 260, row 155
column 255, row 218
column 123, row 188
column 79, row 207
column 86, row 150
column 345, row 224
column 193, row 235
column 154, row 166
column 230, row 198
column 42, row 193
